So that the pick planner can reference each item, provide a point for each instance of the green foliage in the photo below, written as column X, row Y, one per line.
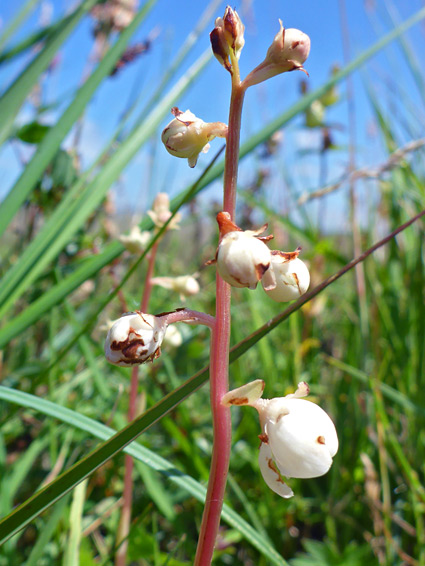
column 63, row 409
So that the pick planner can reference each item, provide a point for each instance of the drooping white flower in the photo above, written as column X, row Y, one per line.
column 288, row 277
column 187, row 136
column 298, row 438
column 185, row 285
column 135, row 338
column 136, row 241
column 242, row 256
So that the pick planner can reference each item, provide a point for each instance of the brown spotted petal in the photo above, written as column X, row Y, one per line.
column 135, row 338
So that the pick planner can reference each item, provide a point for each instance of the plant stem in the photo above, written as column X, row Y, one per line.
column 125, row 519
column 219, row 354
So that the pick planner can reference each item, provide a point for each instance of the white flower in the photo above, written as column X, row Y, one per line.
column 288, row 51
column 288, row 277
column 298, row 438
column 135, row 338
column 185, row 285
column 187, row 136
column 136, row 241
column 242, row 257
column 161, row 212
column 173, row 337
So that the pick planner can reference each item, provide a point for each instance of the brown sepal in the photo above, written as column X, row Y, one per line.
column 225, row 224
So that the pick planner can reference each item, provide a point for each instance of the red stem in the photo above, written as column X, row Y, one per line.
column 219, row 355
column 125, row 519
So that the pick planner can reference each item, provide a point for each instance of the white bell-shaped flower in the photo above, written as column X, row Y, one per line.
column 288, row 277
column 242, row 256
column 135, row 338
column 298, row 438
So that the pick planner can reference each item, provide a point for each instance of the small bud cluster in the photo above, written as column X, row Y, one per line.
column 243, row 259
column 227, row 38
column 298, row 438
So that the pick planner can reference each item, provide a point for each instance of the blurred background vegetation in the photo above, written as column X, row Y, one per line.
column 332, row 162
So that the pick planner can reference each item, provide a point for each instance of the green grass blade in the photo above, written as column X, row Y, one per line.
column 19, row 18
column 387, row 391
column 47, row 532
column 114, row 443
column 73, row 212
column 9, row 54
column 51, row 142
column 15, row 95
column 72, row 548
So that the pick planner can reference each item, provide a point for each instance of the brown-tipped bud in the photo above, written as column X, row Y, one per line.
column 227, row 34
column 288, row 52
column 233, row 30
column 220, row 48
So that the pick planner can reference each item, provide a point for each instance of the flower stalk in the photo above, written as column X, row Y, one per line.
column 219, row 354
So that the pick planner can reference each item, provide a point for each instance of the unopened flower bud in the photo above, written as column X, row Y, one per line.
column 242, row 257
column 161, row 212
column 227, row 35
column 298, row 438
column 288, row 52
column 187, row 136
column 135, row 338
column 288, row 277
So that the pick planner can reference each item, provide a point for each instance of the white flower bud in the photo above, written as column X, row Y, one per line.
column 288, row 51
column 227, row 34
column 135, row 338
column 288, row 277
column 136, row 241
column 242, row 258
column 187, row 136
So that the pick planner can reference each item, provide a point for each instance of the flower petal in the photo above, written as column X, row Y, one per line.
column 270, row 472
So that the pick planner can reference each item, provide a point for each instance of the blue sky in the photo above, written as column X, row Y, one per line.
column 153, row 169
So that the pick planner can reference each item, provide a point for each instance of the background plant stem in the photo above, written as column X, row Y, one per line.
column 125, row 520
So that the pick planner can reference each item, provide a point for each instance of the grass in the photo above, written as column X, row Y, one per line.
column 62, row 407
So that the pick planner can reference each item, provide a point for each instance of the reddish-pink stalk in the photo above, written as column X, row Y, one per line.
column 125, row 519
column 219, row 355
